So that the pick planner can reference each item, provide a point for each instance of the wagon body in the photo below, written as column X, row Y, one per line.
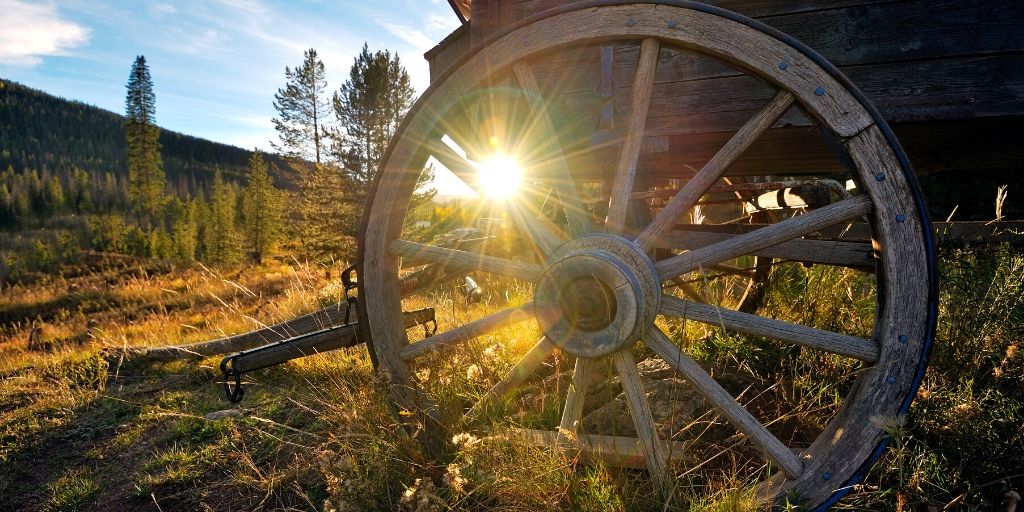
column 947, row 75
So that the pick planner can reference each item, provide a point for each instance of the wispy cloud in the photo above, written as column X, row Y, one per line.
column 33, row 31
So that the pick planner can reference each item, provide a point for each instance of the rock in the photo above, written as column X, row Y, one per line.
column 226, row 413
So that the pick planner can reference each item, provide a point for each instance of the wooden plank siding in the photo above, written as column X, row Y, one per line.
column 943, row 72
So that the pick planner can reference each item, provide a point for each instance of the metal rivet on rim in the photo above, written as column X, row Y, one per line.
column 826, row 476
column 903, row 338
column 880, row 176
column 630, row 22
column 900, row 217
column 672, row 24
column 820, row 91
column 783, row 65
column 891, row 380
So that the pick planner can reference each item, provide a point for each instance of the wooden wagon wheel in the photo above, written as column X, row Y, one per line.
column 596, row 292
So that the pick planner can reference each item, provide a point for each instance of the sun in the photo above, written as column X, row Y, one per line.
column 500, row 177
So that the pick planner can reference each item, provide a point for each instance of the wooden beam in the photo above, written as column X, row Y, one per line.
column 836, row 343
column 454, row 259
column 468, row 331
column 714, row 169
column 614, row 451
column 795, row 227
column 640, row 99
column 859, row 255
column 526, row 366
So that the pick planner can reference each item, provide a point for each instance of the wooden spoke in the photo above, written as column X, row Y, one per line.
column 746, row 323
column 615, row 451
column 454, row 259
column 779, row 453
column 457, row 164
column 468, row 331
column 577, row 216
column 857, row 255
column 544, row 239
column 516, row 376
column 842, row 211
column 574, row 399
column 713, row 170
column 625, row 174
column 636, row 398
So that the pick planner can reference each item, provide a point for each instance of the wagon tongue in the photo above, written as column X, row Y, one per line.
column 317, row 342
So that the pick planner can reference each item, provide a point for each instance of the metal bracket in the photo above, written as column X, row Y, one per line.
column 232, row 390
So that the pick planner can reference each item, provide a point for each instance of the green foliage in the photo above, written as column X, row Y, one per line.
column 262, row 206
column 71, row 491
column 369, row 107
column 145, row 164
column 222, row 241
column 326, row 216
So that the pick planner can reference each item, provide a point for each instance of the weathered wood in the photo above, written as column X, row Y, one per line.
column 779, row 453
column 714, row 169
column 327, row 317
column 468, row 331
column 849, row 438
column 625, row 170
column 453, row 259
column 317, row 342
column 575, row 397
column 900, row 326
column 576, row 215
column 614, row 451
column 833, row 342
column 640, row 410
column 773, row 234
column 859, row 255
column 514, row 378
column 685, row 235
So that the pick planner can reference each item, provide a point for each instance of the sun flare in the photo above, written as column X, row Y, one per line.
column 499, row 177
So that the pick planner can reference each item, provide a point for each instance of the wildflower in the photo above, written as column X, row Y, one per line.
column 453, row 478
column 473, row 373
column 464, row 440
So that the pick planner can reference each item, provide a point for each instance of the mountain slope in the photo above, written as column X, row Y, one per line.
column 39, row 130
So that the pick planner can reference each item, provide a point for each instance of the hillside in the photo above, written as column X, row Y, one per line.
column 41, row 131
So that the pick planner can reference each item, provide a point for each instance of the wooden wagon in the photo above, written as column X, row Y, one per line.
column 676, row 159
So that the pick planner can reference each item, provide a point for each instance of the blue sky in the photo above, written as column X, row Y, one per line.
column 215, row 63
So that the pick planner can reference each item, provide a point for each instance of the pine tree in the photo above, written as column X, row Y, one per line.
column 222, row 240
column 145, row 165
column 302, row 107
column 326, row 217
column 369, row 107
column 261, row 209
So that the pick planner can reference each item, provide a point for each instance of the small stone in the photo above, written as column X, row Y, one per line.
column 219, row 415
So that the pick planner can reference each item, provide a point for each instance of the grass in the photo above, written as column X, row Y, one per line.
column 317, row 433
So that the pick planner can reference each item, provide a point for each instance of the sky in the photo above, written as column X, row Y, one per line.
column 216, row 64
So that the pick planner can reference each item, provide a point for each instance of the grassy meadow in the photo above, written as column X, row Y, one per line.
column 81, row 430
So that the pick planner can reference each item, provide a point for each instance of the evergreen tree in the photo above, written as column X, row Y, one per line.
column 302, row 106
column 326, row 216
column 145, row 165
column 222, row 240
column 261, row 209
column 369, row 107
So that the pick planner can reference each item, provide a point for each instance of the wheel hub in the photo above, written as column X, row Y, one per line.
column 598, row 293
